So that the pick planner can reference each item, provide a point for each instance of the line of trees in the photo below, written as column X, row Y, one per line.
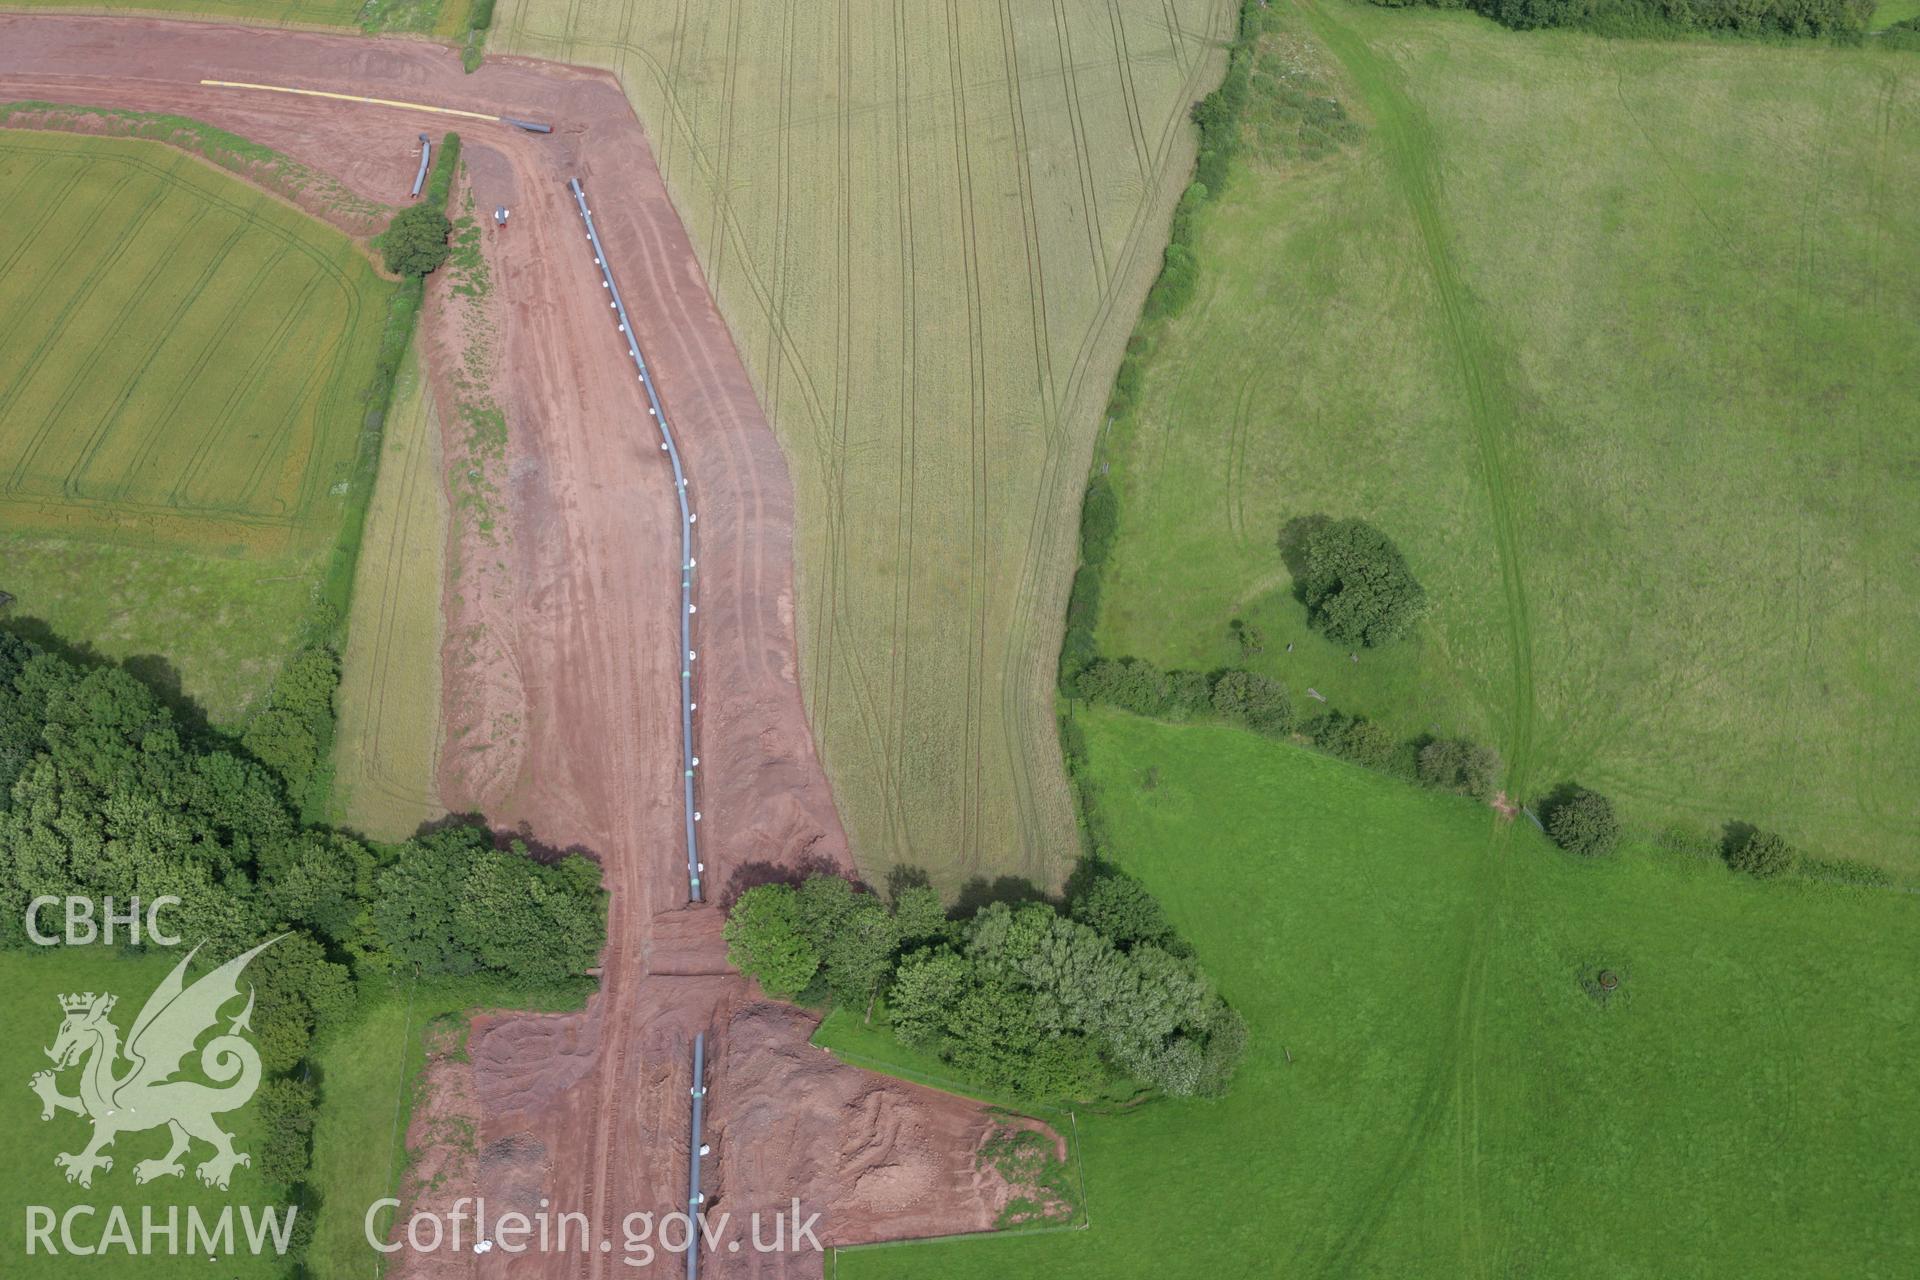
column 1842, row 19
column 1034, row 999
column 106, row 792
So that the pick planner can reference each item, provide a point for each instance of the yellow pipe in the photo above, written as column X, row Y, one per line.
column 351, row 97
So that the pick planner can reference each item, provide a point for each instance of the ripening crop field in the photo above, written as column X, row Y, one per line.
column 183, row 363
column 1615, row 340
column 387, row 742
column 929, row 227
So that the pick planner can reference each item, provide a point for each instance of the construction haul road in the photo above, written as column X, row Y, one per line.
column 562, row 697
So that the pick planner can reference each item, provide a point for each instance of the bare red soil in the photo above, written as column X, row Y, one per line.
column 561, row 698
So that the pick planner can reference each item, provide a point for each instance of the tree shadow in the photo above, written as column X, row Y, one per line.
column 1562, row 794
column 980, row 892
column 160, row 675
column 541, row 851
column 1293, row 548
column 1734, row 836
column 903, row 877
column 1088, row 872
column 751, row 875
column 156, row 673
column 447, row 822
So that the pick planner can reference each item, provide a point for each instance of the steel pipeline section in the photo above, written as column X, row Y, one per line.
column 688, row 761
column 694, row 1198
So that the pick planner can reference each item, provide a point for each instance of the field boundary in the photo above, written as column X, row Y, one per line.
column 210, row 18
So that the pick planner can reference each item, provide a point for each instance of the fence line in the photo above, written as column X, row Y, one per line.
column 688, row 760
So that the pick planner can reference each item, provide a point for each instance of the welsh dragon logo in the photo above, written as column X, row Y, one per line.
column 145, row 1095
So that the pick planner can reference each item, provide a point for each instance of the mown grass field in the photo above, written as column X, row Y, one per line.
column 1611, row 338
column 388, row 738
column 34, row 981
column 1457, row 1102
column 929, row 228
column 183, row 362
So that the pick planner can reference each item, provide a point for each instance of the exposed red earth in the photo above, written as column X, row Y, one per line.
column 562, row 698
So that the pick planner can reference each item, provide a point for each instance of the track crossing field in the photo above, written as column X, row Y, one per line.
column 1614, row 338
column 929, row 228
column 183, row 362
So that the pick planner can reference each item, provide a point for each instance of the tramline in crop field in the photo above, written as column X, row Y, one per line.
column 929, row 229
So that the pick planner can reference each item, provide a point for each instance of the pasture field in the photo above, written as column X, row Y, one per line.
column 1892, row 11
column 440, row 18
column 183, row 362
column 387, row 740
column 929, row 228
column 35, row 979
column 370, row 1079
column 1610, row 337
column 1457, row 1102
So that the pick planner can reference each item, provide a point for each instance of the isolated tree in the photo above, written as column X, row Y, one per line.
column 1357, row 586
column 415, row 242
column 1759, row 853
column 764, row 940
column 1583, row 822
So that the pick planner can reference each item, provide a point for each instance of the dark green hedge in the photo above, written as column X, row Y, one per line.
column 1843, row 19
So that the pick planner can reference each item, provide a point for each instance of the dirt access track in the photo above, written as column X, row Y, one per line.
column 578, row 593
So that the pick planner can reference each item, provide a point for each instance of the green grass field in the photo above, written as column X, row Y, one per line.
column 440, row 18
column 183, row 362
column 929, row 228
column 1892, row 11
column 35, row 980
column 367, row 1073
column 1457, row 1102
column 369, row 1079
column 1610, row 338
column 388, row 738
